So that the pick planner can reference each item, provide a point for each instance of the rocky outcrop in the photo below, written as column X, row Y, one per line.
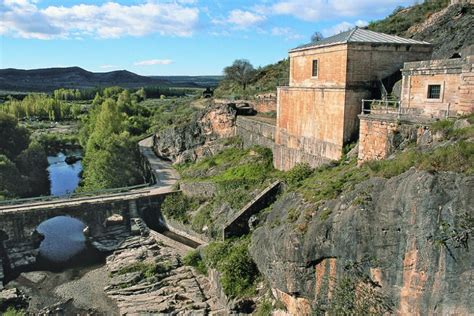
column 199, row 138
column 147, row 278
column 406, row 239
column 450, row 30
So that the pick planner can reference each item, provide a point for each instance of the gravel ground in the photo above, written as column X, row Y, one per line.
column 88, row 292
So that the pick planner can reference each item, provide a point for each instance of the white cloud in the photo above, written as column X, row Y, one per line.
column 286, row 32
column 152, row 62
column 315, row 10
column 342, row 27
column 22, row 18
column 240, row 19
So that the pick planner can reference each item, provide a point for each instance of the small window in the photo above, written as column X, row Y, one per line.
column 434, row 91
column 315, row 68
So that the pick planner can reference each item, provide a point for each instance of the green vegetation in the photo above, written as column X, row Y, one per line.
column 239, row 273
column 237, row 174
column 23, row 162
column 193, row 259
column 177, row 206
column 402, row 19
column 264, row 79
column 42, row 107
column 11, row 311
column 265, row 308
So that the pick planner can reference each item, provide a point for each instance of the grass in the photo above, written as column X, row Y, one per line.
column 11, row 311
column 148, row 269
column 402, row 19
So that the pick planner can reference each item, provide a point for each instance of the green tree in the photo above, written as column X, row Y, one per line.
column 13, row 138
column 12, row 183
column 241, row 71
column 33, row 163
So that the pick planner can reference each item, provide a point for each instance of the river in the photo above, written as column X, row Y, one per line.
column 64, row 178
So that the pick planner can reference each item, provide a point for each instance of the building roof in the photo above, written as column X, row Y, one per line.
column 359, row 35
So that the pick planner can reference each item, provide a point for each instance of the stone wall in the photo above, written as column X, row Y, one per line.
column 255, row 132
column 310, row 126
column 456, row 78
column 374, row 139
column 332, row 70
column 382, row 135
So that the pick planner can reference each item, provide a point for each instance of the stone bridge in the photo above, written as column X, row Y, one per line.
column 107, row 217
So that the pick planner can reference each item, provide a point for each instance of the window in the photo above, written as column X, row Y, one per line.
column 434, row 91
column 315, row 68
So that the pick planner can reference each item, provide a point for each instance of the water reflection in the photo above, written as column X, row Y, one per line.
column 64, row 238
column 64, row 178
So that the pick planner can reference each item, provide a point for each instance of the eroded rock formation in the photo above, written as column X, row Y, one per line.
column 407, row 237
column 198, row 138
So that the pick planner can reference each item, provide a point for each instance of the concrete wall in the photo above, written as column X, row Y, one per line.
column 238, row 226
column 254, row 132
column 456, row 78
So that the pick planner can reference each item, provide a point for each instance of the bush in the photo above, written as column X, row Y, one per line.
column 298, row 173
column 193, row 259
column 177, row 206
column 239, row 272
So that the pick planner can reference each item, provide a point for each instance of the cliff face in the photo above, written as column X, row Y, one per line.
column 404, row 239
column 189, row 142
column 450, row 30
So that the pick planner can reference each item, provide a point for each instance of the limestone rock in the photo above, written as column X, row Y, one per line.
column 392, row 230
column 198, row 138
column 146, row 278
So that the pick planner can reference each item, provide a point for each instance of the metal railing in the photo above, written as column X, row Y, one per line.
column 380, row 107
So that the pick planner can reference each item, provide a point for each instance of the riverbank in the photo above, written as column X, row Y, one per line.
column 74, row 291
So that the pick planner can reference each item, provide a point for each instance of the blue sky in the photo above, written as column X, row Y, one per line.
column 169, row 37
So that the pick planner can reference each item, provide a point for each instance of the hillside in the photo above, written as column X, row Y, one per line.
column 449, row 28
column 49, row 79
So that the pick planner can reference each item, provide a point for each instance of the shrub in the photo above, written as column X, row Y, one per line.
column 458, row 158
column 298, row 173
column 239, row 272
column 264, row 309
column 11, row 311
column 193, row 259
column 177, row 206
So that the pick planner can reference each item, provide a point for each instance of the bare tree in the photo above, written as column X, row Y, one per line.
column 241, row 71
column 317, row 36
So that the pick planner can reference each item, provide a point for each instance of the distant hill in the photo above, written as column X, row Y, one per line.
column 49, row 79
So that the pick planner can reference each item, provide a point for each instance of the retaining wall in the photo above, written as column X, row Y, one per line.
column 254, row 132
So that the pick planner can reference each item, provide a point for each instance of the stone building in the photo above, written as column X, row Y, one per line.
column 317, row 114
column 438, row 88
column 431, row 90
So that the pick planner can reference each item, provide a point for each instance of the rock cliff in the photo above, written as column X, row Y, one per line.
column 406, row 240
column 199, row 138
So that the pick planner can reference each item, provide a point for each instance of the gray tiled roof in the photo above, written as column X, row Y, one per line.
column 359, row 35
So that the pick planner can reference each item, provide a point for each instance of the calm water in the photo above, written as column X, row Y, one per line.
column 64, row 178
column 64, row 238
